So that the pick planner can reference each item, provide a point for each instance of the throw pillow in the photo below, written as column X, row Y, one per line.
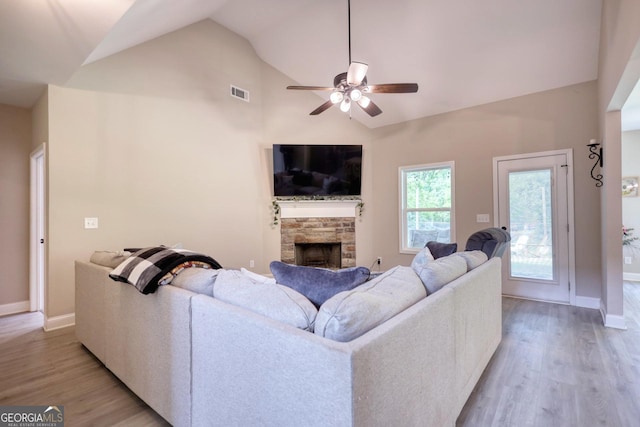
column 422, row 258
column 436, row 274
column 268, row 299
column 318, row 284
column 439, row 250
column 350, row 314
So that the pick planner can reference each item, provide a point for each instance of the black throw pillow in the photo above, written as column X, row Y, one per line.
column 438, row 249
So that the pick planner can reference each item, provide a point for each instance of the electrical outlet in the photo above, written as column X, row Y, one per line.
column 628, row 260
column 252, row 263
column 379, row 261
column 91, row 223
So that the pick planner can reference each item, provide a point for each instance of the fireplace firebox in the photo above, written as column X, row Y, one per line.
column 325, row 255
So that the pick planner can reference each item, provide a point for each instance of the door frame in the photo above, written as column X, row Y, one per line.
column 37, row 259
column 570, row 206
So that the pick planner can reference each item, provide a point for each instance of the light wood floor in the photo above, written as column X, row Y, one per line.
column 556, row 366
column 53, row 368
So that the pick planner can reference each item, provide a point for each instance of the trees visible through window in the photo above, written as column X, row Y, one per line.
column 426, row 205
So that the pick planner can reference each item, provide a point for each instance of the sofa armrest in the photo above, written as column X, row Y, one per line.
column 404, row 370
column 90, row 310
column 478, row 324
column 252, row 370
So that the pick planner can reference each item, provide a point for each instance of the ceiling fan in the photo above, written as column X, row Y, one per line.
column 352, row 86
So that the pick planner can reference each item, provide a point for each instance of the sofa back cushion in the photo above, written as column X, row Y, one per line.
column 198, row 280
column 266, row 298
column 350, row 314
column 110, row 259
column 436, row 274
column 318, row 284
column 473, row 258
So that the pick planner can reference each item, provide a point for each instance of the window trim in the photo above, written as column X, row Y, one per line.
column 402, row 170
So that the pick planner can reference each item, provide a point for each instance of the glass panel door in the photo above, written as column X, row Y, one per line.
column 532, row 203
column 531, row 221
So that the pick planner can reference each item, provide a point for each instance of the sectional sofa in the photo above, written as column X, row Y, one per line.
column 200, row 361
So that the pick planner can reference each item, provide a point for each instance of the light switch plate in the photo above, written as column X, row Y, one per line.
column 482, row 218
column 91, row 223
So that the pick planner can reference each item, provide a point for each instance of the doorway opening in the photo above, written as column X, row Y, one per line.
column 533, row 196
column 37, row 268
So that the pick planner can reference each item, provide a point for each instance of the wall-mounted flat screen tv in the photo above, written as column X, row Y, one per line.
column 317, row 170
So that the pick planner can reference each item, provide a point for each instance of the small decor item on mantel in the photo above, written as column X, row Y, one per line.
column 630, row 186
column 276, row 212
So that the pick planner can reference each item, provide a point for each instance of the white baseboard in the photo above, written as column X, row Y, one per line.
column 57, row 322
column 14, row 307
column 588, row 302
column 631, row 277
column 612, row 321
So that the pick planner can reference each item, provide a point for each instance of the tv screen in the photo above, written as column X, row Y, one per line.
column 317, row 170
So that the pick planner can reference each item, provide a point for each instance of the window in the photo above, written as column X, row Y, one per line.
column 426, row 205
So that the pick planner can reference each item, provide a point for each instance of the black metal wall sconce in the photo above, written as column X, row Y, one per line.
column 595, row 152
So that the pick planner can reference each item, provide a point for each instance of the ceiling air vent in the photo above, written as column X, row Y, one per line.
column 236, row 92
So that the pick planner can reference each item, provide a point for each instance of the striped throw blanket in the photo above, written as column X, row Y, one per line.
column 146, row 268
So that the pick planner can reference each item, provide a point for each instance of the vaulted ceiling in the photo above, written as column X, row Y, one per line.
column 460, row 52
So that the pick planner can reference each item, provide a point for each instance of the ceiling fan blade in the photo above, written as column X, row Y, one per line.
column 371, row 108
column 321, row 108
column 393, row 88
column 356, row 72
column 310, row 88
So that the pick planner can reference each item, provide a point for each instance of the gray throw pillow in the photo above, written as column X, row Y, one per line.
column 439, row 250
column 421, row 259
column 318, row 284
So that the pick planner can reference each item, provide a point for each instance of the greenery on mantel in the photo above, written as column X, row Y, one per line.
column 275, row 205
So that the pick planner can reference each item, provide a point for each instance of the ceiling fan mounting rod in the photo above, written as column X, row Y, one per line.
column 349, row 27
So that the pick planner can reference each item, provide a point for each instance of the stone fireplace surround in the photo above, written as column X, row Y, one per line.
column 319, row 230
column 314, row 221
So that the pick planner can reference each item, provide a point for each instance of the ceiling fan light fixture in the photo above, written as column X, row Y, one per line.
column 345, row 105
column 364, row 101
column 355, row 94
column 336, row 97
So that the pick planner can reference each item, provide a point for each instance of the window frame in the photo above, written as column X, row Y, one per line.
column 403, row 211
